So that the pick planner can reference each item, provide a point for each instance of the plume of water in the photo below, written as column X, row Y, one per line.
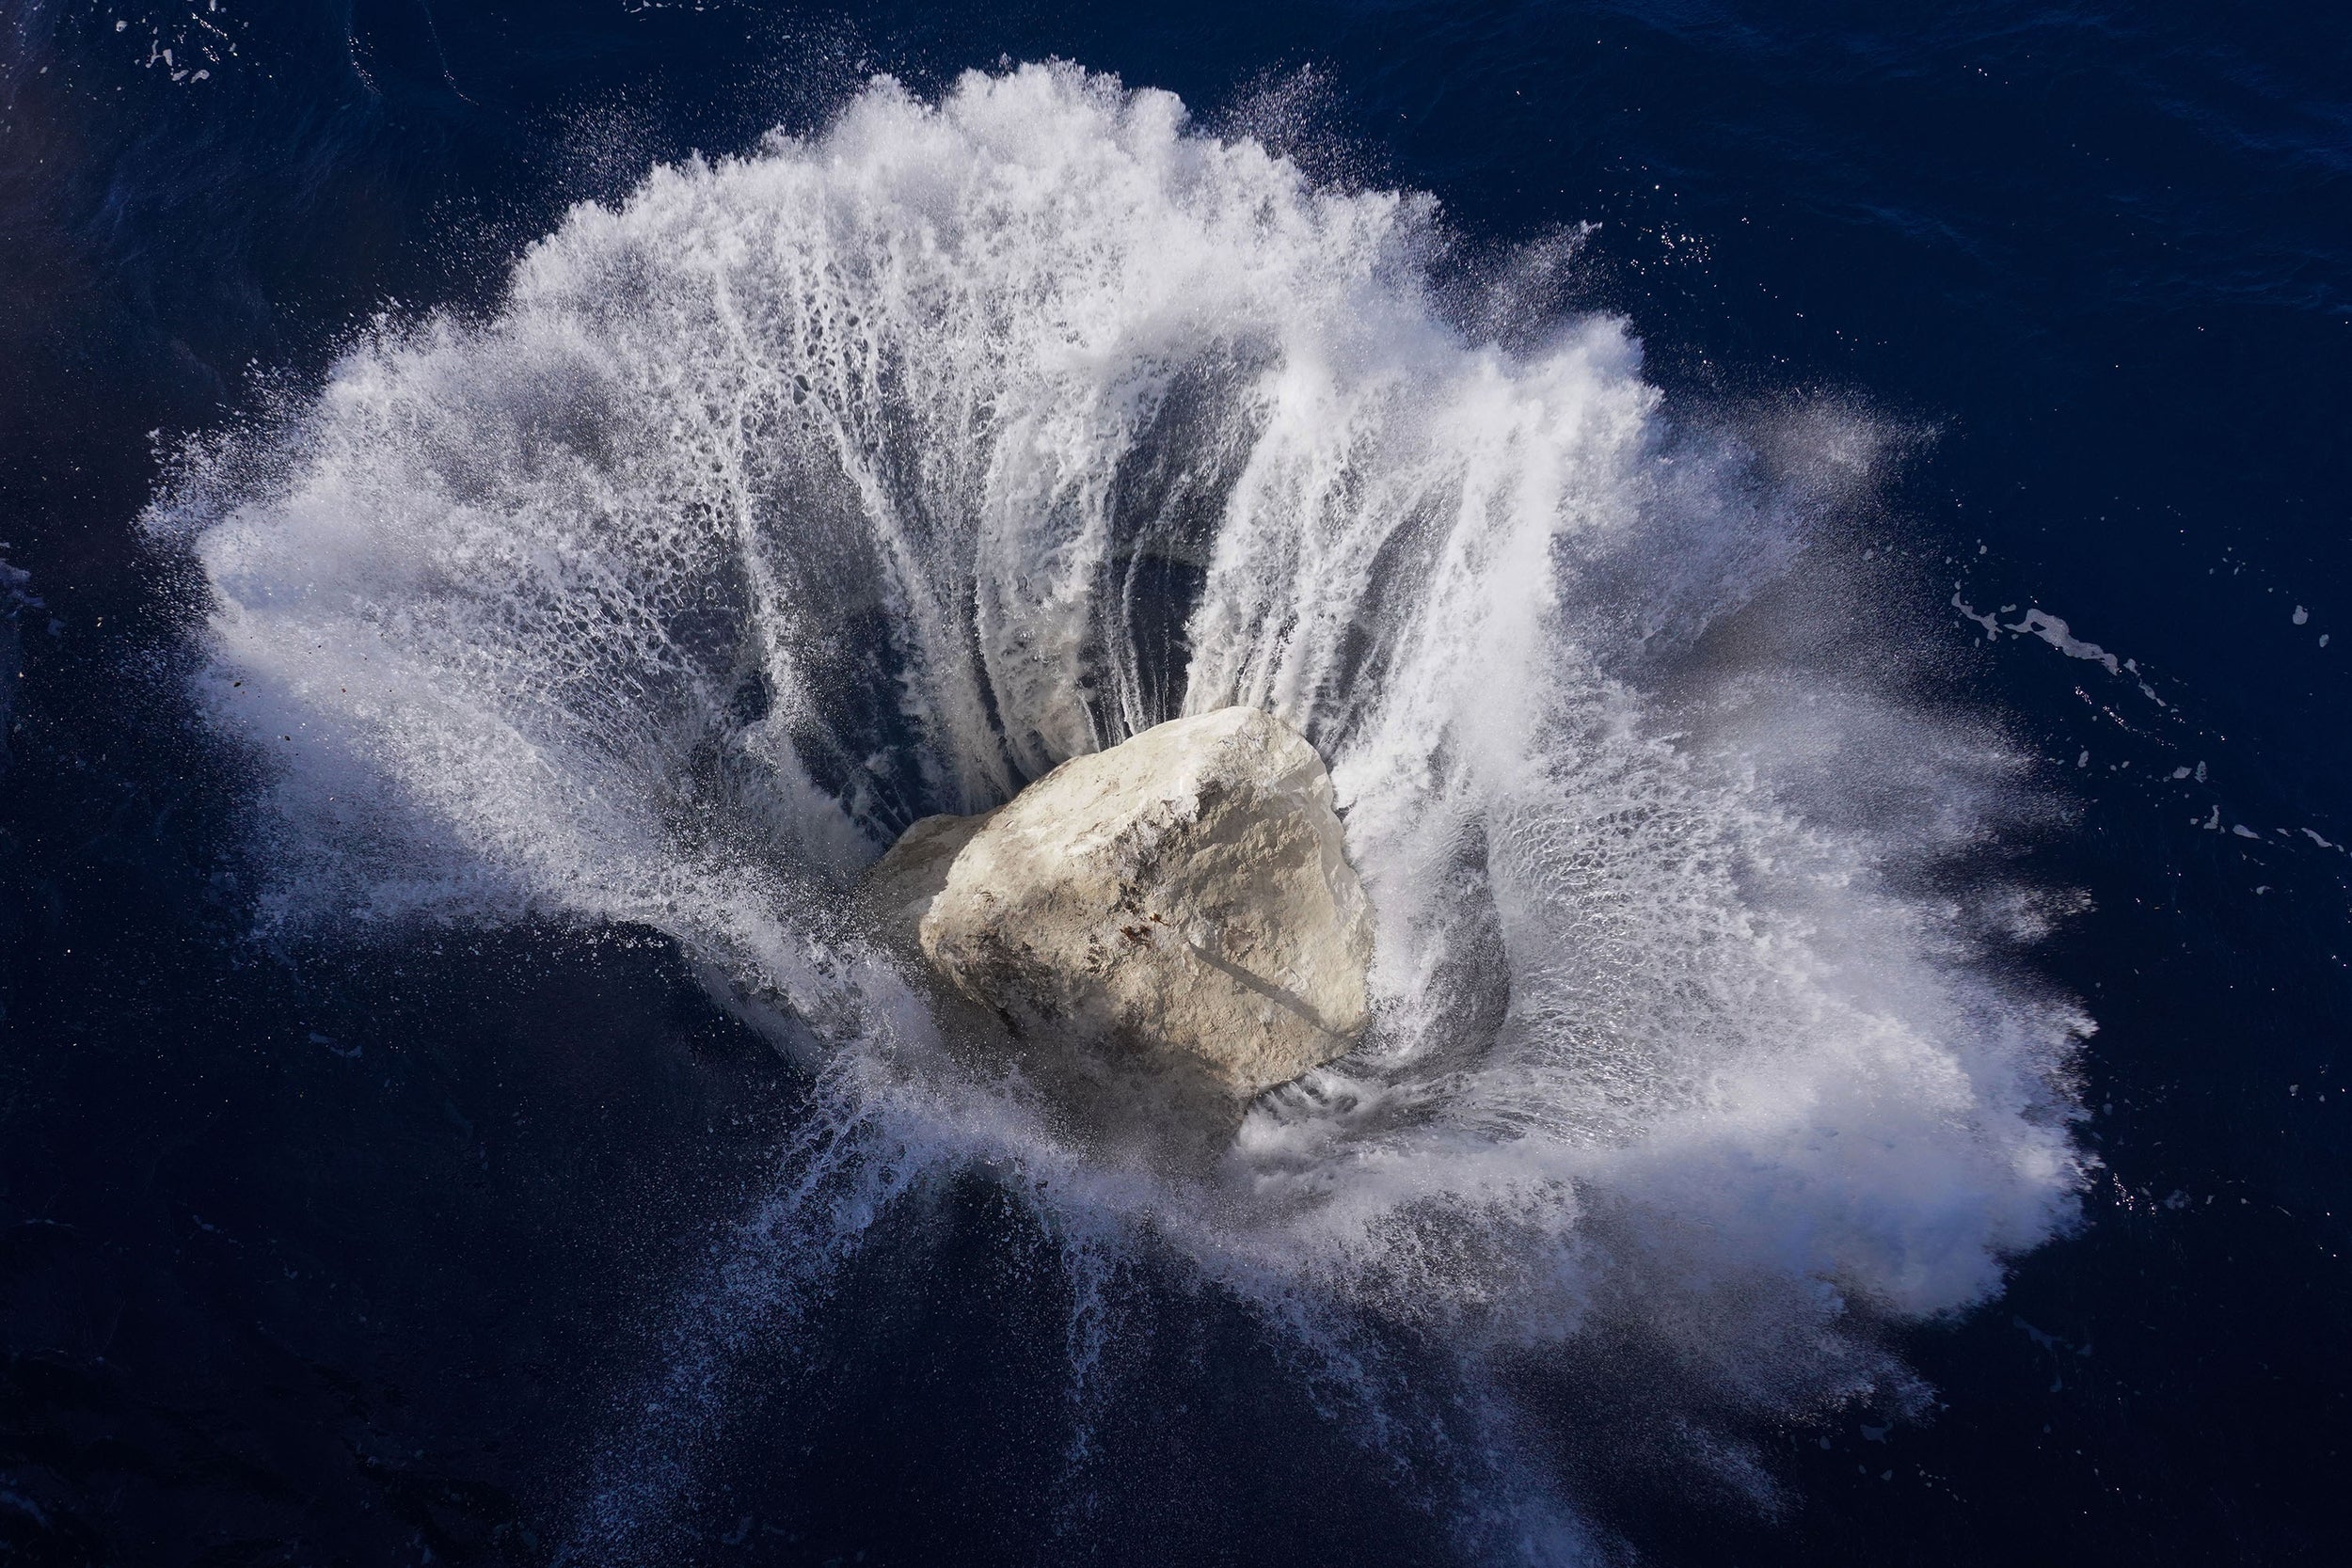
column 807, row 492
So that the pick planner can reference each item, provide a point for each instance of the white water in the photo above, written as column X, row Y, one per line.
column 807, row 492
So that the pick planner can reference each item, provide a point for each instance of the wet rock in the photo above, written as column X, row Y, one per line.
column 1168, row 928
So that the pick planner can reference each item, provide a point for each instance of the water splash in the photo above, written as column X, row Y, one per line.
column 804, row 493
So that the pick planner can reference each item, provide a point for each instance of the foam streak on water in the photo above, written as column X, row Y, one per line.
column 872, row 475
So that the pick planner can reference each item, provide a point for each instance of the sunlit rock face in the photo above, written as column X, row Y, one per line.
column 1167, row 927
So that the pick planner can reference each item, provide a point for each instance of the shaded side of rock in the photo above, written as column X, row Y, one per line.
column 896, row 891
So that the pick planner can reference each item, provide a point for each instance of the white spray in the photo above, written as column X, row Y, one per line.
column 874, row 474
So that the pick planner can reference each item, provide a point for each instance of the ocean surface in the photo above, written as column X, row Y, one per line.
column 1814, row 538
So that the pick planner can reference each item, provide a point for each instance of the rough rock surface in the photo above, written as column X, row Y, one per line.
column 1171, row 922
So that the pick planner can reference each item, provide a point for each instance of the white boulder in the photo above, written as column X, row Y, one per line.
column 1166, row 925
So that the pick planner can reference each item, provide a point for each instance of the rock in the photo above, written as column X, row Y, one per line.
column 1167, row 927
column 900, row 887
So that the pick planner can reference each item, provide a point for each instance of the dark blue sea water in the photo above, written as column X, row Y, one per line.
column 412, row 1193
